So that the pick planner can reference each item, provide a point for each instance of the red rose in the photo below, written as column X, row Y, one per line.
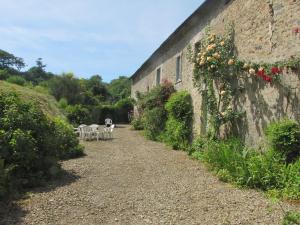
column 261, row 72
column 275, row 70
column 296, row 30
column 267, row 78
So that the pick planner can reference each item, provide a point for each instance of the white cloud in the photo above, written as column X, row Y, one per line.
column 60, row 30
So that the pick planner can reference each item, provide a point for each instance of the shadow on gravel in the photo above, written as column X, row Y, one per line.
column 11, row 211
column 65, row 178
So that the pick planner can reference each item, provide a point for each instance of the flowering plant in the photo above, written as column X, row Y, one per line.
column 216, row 67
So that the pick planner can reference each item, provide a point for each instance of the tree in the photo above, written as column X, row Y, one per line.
column 8, row 60
column 37, row 73
column 120, row 88
column 66, row 86
column 96, row 86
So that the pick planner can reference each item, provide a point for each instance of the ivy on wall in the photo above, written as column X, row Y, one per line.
column 217, row 70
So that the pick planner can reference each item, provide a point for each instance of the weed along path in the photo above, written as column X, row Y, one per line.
column 133, row 181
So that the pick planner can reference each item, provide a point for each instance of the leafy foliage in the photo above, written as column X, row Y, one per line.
column 78, row 114
column 16, row 80
column 267, row 171
column 154, row 122
column 291, row 218
column 284, row 137
column 137, row 123
column 65, row 86
column 214, row 70
column 157, row 97
column 180, row 117
column 119, row 88
column 8, row 60
column 66, row 141
column 30, row 144
column 151, row 107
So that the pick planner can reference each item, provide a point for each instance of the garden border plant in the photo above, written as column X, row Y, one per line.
column 31, row 143
column 217, row 69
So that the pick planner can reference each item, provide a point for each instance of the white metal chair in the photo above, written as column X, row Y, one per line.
column 95, row 130
column 110, row 131
column 80, row 130
column 108, row 122
column 87, row 133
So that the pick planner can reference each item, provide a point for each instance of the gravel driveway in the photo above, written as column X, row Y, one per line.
column 133, row 181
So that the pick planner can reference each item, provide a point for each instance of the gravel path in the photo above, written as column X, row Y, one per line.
column 133, row 181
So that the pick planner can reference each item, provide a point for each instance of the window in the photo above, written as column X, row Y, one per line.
column 158, row 74
column 178, row 68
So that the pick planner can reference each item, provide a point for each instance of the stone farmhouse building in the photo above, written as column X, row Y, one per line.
column 265, row 31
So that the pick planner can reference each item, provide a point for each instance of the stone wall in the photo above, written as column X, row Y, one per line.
column 263, row 32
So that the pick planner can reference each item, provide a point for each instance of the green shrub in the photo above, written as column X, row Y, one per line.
column 291, row 189
column 198, row 145
column 16, row 80
column 154, row 122
column 30, row 145
column 63, row 103
column 179, row 106
column 157, row 97
column 137, row 123
column 284, row 137
column 78, row 114
column 179, row 124
column 267, row 171
column 4, row 74
column 176, row 134
column 264, row 171
column 291, row 218
column 67, row 143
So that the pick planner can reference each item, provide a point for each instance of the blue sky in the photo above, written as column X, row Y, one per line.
column 87, row 37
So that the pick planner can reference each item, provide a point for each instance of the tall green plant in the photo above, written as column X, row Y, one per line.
column 180, row 117
column 284, row 137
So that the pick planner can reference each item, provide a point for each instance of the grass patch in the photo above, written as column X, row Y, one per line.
column 46, row 102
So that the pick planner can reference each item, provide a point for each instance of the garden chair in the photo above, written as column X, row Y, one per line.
column 80, row 130
column 110, row 131
column 95, row 129
column 108, row 122
column 87, row 133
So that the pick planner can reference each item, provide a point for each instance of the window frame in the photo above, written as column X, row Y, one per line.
column 158, row 76
column 178, row 68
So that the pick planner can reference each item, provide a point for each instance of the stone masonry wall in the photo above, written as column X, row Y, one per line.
column 263, row 32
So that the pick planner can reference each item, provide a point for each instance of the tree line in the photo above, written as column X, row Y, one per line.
column 82, row 100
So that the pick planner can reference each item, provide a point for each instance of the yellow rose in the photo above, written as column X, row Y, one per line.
column 217, row 55
column 222, row 93
column 252, row 71
column 202, row 63
column 209, row 58
column 246, row 66
column 209, row 48
column 222, row 114
column 213, row 35
column 222, row 43
column 230, row 62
